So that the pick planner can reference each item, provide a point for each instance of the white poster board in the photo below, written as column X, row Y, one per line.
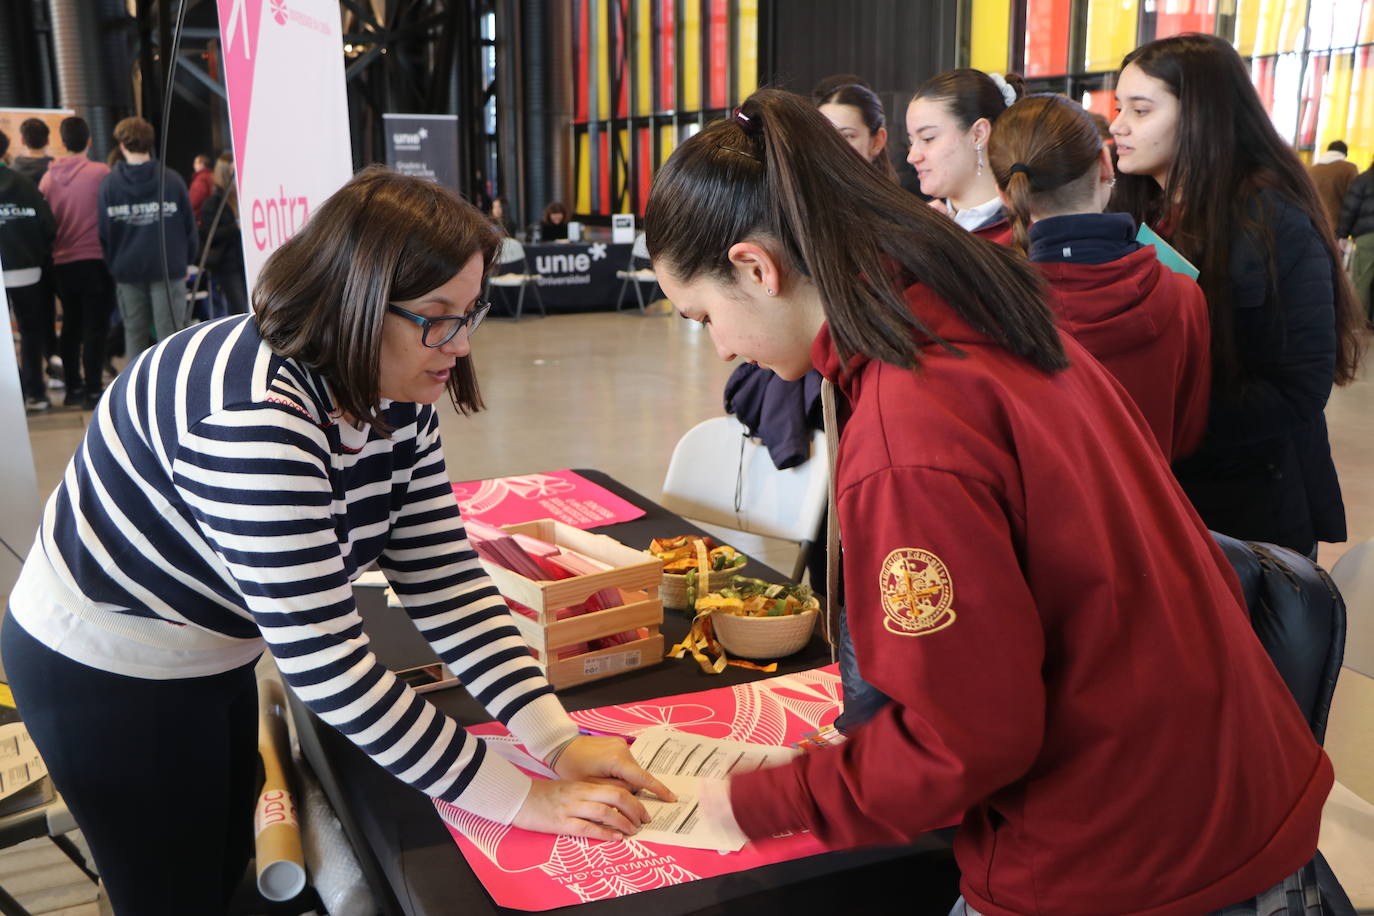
column 284, row 76
column 18, row 482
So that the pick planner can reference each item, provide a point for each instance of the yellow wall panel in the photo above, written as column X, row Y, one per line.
column 644, row 48
column 1111, row 33
column 1247, row 25
column 622, row 204
column 748, row 44
column 667, row 140
column 584, row 174
column 601, row 44
column 1359, row 131
column 989, row 48
column 689, row 58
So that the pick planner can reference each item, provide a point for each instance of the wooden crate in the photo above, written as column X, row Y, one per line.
column 637, row 575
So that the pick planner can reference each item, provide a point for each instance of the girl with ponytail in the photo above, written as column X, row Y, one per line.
column 1145, row 323
column 1023, row 579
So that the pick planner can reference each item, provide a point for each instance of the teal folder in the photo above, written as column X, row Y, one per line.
column 1168, row 255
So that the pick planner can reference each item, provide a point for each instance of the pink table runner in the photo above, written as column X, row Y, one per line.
column 562, row 495
column 534, row 871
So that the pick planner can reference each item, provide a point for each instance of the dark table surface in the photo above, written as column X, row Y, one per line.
column 415, row 867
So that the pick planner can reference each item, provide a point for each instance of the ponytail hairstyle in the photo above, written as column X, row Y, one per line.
column 1228, row 151
column 779, row 172
column 1044, row 153
column 870, row 108
column 972, row 94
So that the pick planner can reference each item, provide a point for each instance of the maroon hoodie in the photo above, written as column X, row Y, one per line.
column 71, row 186
column 1149, row 326
column 1072, row 670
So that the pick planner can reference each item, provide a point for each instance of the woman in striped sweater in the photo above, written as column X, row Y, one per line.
column 232, row 483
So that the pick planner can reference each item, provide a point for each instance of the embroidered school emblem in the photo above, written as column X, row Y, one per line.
column 917, row 592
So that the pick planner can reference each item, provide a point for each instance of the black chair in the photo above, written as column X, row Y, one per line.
column 1299, row 616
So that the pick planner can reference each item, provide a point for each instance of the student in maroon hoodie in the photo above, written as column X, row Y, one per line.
column 947, row 123
column 1145, row 323
column 72, row 187
column 1073, row 674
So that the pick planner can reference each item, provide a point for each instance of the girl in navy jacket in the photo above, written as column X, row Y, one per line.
column 1201, row 161
column 1072, row 672
column 1146, row 324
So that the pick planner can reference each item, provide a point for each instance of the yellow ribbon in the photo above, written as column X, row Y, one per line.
column 701, row 642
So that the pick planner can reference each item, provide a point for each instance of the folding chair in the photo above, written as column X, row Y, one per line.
column 638, row 271
column 513, row 253
column 722, row 478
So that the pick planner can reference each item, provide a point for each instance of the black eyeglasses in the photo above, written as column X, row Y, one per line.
column 438, row 331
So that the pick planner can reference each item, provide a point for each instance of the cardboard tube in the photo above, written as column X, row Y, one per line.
column 281, row 863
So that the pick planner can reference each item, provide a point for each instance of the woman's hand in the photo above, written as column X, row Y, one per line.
column 608, row 759
column 597, row 810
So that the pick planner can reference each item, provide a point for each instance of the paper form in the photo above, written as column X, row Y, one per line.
column 684, row 762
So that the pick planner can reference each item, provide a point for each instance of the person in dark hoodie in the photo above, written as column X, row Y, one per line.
column 34, row 160
column 72, row 187
column 1201, row 162
column 1145, row 323
column 129, row 226
column 26, row 235
column 1073, row 675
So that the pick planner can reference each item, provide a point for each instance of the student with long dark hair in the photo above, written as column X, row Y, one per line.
column 1145, row 323
column 1201, row 162
column 857, row 113
column 1072, row 674
column 947, row 123
column 232, row 484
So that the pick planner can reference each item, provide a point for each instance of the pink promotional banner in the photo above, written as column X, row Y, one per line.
column 561, row 495
column 536, row 871
column 288, row 115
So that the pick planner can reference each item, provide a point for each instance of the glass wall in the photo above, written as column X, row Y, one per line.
column 1310, row 59
column 646, row 75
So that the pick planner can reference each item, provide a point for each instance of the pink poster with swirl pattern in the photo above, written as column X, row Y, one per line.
column 533, row 871
column 562, row 495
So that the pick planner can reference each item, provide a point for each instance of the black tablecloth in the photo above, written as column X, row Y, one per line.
column 574, row 276
column 415, row 867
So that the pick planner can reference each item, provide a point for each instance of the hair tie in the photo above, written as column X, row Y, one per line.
column 1019, row 167
column 748, row 124
column 1008, row 93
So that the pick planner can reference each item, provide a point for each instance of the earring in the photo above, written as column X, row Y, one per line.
column 770, row 291
column 978, row 148
column 1112, row 183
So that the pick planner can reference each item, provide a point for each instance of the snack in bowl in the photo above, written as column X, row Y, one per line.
column 760, row 620
column 693, row 564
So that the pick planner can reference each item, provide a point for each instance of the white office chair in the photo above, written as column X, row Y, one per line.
column 1347, row 833
column 517, row 274
column 720, row 477
column 638, row 271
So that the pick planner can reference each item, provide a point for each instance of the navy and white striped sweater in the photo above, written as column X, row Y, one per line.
column 215, row 503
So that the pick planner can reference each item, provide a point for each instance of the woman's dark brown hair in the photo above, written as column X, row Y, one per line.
column 970, row 94
column 870, row 108
column 321, row 298
column 780, row 173
column 1055, row 147
column 1228, row 151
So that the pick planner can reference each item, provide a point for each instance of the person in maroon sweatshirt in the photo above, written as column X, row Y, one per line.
column 1148, row 325
column 1073, row 675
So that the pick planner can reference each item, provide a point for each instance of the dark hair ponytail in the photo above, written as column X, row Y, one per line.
column 870, row 108
column 778, row 171
column 1042, row 145
column 1228, row 151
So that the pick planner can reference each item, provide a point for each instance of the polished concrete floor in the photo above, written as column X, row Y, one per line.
column 615, row 392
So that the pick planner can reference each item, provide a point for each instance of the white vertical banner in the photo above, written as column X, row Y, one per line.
column 284, row 76
column 18, row 481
